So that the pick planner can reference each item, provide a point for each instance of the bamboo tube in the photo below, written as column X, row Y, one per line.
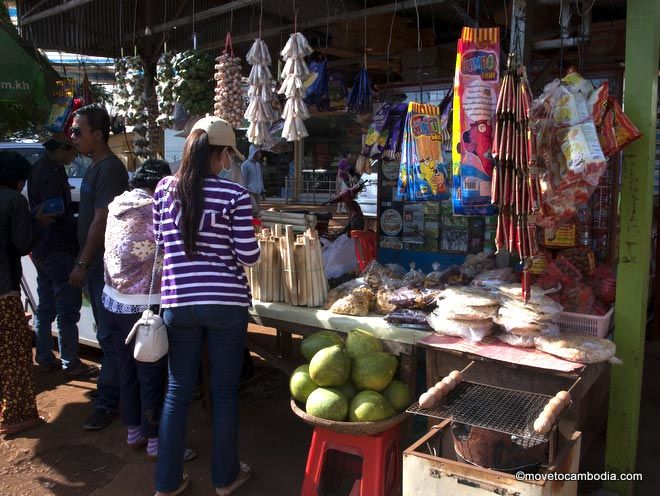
column 291, row 274
column 279, row 230
column 262, row 271
column 311, row 271
column 276, row 270
column 301, row 269
column 285, row 270
column 323, row 281
column 268, row 268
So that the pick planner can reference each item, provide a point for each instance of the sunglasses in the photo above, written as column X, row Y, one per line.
column 77, row 132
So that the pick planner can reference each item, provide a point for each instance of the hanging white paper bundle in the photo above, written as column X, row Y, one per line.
column 229, row 96
column 165, row 79
column 294, row 74
column 260, row 112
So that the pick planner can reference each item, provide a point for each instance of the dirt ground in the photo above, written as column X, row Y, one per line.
column 60, row 458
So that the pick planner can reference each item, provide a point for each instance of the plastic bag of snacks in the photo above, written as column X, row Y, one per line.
column 568, row 148
column 423, row 174
column 475, row 100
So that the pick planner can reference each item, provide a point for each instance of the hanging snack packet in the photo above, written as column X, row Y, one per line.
column 426, row 174
column 475, row 100
column 377, row 134
column 59, row 114
column 395, row 122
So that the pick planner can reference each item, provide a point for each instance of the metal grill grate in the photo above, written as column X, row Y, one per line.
column 491, row 407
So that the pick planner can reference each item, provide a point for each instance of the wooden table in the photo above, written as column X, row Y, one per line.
column 589, row 408
column 303, row 321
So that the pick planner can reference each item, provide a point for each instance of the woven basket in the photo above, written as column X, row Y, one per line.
column 352, row 428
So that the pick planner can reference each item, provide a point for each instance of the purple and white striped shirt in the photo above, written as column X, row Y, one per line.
column 226, row 239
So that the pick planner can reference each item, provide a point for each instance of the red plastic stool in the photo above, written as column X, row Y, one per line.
column 365, row 247
column 378, row 472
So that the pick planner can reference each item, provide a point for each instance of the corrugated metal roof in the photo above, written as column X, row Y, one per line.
column 103, row 27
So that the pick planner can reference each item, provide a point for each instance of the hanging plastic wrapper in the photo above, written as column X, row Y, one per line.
column 260, row 112
column 475, row 98
column 423, row 174
column 317, row 85
column 359, row 99
column 229, row 96
column 294, row 74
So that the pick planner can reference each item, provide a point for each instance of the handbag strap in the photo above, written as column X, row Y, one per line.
column 155, row 265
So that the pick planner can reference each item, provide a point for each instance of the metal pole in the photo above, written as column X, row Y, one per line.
column 636, row 211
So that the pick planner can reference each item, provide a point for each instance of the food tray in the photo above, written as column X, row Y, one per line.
column 499, row 409
column 352, row 428
column 593, row 325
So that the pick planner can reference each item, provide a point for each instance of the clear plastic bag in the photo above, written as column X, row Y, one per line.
column 494, row 278
column 339, row 258
column 470, row 296
column 472, row 330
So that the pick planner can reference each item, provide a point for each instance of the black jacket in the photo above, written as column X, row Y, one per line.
column 49, row 180
column 17, row 237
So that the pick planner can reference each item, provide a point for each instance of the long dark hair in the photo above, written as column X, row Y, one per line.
column 195, row 167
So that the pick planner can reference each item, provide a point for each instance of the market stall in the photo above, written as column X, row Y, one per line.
column 499, row 172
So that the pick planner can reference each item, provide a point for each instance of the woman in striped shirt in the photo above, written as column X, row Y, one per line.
column 207, row 236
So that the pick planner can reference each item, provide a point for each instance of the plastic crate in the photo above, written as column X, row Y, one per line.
column 593, row 325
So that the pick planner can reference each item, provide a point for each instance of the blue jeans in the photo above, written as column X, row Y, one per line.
column 224, row 327
column 57, row 299
column 108, row 382
column 141, row 384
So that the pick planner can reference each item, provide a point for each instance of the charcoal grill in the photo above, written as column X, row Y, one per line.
column 495, row 408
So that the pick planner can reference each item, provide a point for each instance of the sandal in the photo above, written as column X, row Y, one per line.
column 185, row 482
column 243, row 475
column 188, row 455
column 8, row 429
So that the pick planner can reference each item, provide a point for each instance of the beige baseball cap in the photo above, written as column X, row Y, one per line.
column 219, row 131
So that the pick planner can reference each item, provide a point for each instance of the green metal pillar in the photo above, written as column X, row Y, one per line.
column 636, row 211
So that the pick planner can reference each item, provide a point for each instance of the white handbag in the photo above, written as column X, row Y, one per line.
column 150, row 332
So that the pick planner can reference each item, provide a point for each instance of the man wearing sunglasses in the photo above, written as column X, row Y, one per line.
column 54, row 257
column 106, row 178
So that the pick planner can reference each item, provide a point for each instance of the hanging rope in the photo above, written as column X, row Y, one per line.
column 327, row 24
column 261, row 16
column 121, row 30
column 419, row 56
column 365, row 34
column 165, row 31
column 135, row 28
column 389, row 42
column 194, row 31
column 561, row 39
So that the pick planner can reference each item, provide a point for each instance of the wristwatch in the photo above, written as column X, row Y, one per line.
column 82, row 265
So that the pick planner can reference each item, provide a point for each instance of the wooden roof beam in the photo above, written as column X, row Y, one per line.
column 60, row 9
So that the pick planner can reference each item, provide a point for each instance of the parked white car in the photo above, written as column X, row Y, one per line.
column 76, row 171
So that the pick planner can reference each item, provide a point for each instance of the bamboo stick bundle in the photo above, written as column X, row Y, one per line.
column 291, row 274
column 301, row 270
